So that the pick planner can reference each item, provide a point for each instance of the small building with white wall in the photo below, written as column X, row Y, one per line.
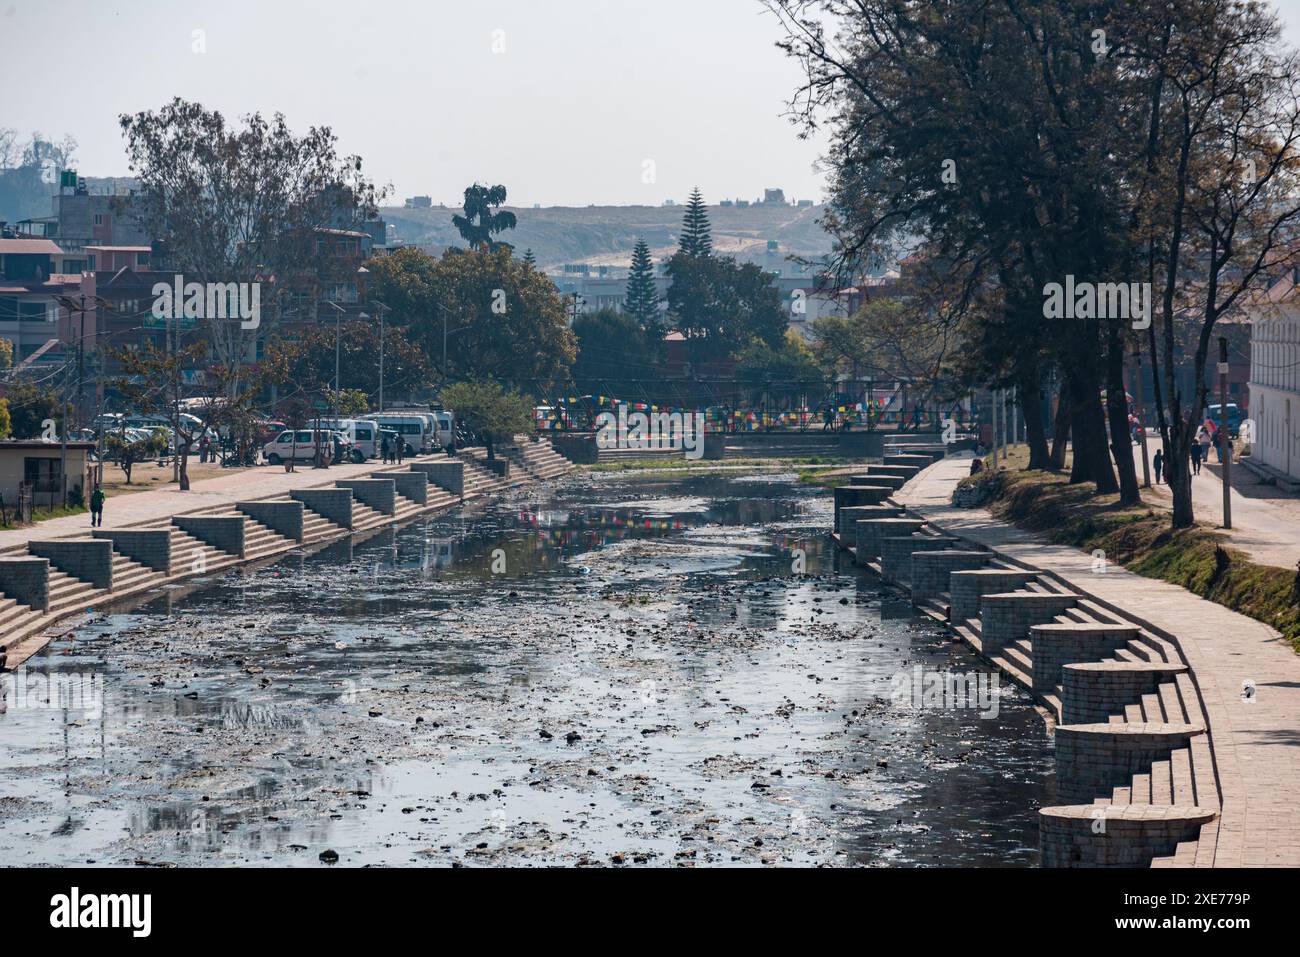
column 1275, row 379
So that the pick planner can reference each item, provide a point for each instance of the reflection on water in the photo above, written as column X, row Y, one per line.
column 669, row 670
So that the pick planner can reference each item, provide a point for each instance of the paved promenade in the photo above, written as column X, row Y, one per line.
column 240, row 485
column 1256, row 745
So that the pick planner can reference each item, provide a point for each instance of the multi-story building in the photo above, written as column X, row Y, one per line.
column 33, row 277
column 1275, row 378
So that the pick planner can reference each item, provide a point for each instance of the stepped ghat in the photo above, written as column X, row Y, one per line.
column 1137, row 774
column 49, row 579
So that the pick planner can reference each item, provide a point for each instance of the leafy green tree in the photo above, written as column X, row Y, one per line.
column 502, row 320
column 350, row 403
column 483, row 218
column 720, row 306
column 784, row 376
column 697, row 235
column 309, row 362
column 30, row 406
column 6, row 426
column 615, row 356
column 489, row 410
column 6, row 353
column 642, row 299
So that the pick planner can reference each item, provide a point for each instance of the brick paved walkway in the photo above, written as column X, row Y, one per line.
column 1256, row 745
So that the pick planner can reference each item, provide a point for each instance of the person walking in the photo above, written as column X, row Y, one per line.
column 1158, row 463
column 1204, row 439
column 401, row 449
column 1196, row 458
column 384, row 448
column 97, row 508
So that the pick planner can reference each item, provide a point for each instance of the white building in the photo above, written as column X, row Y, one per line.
column 1275, row 380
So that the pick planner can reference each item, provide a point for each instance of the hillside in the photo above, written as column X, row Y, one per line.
column 605, row 235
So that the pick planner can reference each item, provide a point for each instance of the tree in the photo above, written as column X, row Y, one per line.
column 350, row 403
column 241, row 204
column 6, row 425
column 31, row 405
column 489, row 410
column 529, row 259
column 642, row 298
column 483, row 219
column 126, row 452
column 502, row 320
column 697, row 237
column 720, row 306
column 615, row 356
column 787, row 375
column 6, row 353
column 309, row 362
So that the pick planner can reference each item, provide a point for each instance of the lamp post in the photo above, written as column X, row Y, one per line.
column 381, row 309
column 338, row 317
column 1142, row 426
column 1225, row 441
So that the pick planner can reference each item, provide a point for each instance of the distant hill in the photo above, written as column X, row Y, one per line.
column 605, row 235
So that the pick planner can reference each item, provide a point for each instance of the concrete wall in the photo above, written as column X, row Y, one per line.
column 413, row 485
column 333, row 504
column 1093, row 691
column 896, row 554
column 1094, row 759
column 449, row 475
column 379, row 494
column 27, row 581
column 1116, row 836
column 223, row 532
column 87, row 559
column 1060, row 644
column 283, row 518
column 150, row 547
column 966, row 588
column 931, row 571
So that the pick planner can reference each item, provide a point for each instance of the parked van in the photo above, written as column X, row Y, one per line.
column 412, row 427
column 362, row 433
column 446, row 428
column 298, row 446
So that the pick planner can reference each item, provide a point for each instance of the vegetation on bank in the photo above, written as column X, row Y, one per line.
column 1141, row 539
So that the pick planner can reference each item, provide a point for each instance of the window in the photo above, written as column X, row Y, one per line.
column 43, row 475
column 99, row 219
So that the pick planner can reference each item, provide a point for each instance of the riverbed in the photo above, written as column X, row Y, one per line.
column 640, row 669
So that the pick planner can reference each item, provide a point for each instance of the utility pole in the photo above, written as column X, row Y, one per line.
column 1225, row 442
column 381, row 309
column 1142, row 426
column 997, row 435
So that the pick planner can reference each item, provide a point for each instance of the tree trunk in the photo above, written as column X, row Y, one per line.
column 1121, row 442
column 1060, row 431
column 1178, row 472
column 1091, row 459
column 1031, row 404
column 184, row 471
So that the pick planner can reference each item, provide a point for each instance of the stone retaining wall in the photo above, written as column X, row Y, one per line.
column 379, row 494
column 1006, row 618
column 1128, row 835
column 332, row 504
column 896, row 554
column 283, row 518
column 411, row 485
column 1061, row 644
column 87, row 559
column 966, row 588
column 26, row 581
column 931, row 571
column 150, row 547
column 1094, row 759
column 222, row 532
column 1093, row 691
column 449, row 476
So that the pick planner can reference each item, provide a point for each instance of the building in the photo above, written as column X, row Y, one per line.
column 1275, row 378
column 33, row 277
column 37, row 468
column 419, row 202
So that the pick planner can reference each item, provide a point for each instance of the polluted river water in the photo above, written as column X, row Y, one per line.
column 621, row 669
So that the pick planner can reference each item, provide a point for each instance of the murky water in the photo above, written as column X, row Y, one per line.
column 622, row 670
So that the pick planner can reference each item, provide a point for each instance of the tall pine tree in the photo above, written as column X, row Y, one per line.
column 697, row 236
column 642, row 300
column 529, row 259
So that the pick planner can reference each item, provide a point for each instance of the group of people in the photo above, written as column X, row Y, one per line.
column 393, row 448
column 1200, row 452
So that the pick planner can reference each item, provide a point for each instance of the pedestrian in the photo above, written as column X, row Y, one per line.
column 97, row 508
column 1196, row 458
column 384, row 448
column 401, row 449
column 1159, row 463
column 1203, row 438
column 976, row 466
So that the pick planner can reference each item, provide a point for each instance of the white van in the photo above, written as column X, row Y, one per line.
column 362, row 433
column 297, row 446
column 446, row 431
column 412, row 427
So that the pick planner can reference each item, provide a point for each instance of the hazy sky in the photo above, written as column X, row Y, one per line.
column 583, row 94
